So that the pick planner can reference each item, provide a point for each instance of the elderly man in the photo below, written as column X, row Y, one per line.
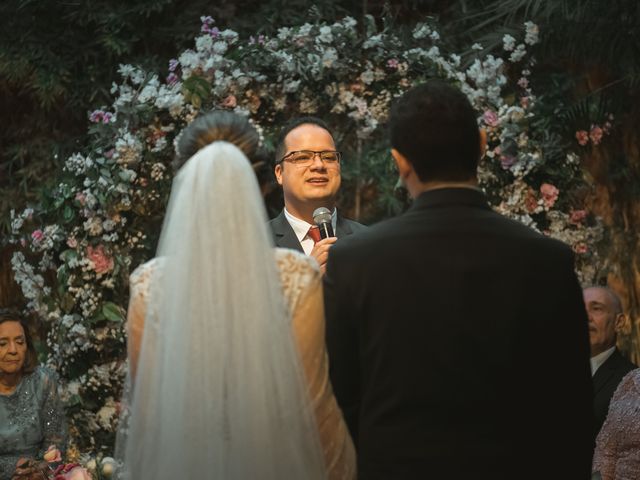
column 308, row 169
column 608, row 366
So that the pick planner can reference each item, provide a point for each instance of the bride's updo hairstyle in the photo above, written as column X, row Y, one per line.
column 219, row 125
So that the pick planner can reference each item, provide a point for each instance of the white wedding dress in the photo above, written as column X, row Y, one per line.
column 226, row 339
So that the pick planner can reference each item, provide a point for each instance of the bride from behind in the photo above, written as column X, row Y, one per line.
column 226, row 334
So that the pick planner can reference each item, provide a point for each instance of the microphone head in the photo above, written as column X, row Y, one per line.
column 321, row 215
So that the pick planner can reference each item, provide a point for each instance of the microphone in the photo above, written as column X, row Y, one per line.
column 322, row 217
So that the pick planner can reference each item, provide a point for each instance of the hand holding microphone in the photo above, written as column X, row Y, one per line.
column 322, row 218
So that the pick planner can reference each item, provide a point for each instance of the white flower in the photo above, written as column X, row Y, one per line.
column 171, row 99
column 93, row 226
column 220, row 47
column 106, row 415
column 532, row 31
column 157, row 171
column 229, row 36
column 304, row 30
column 374, row 41
column 518, row 54
column 325, row 34
column 329, row 57
column 422, row 30
column 508, row 43
column 284, row 33
column 150, row 91
column 291, row 86
column 477, row 46
column 189, row 60
column 126, row 70
column 435, row 36
column 108, row 225
column 204, row 43
column 349, row 22
column 367, row 77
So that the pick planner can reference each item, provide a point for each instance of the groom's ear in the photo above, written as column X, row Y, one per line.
column 483, row 142
column 404, row 166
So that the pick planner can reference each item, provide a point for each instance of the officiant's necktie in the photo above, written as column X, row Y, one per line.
column 314, row 233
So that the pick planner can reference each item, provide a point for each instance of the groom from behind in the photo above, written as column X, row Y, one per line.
column 457, row 338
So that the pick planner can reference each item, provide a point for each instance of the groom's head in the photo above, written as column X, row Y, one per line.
column 434, row 128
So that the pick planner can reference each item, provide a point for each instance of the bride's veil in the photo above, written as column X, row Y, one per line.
column 219, row 391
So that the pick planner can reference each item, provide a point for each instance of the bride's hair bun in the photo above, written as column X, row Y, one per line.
column 218, row 125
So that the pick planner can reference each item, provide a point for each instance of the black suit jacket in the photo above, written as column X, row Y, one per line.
column 285, row 237
column 605, row 382
column 458, row 346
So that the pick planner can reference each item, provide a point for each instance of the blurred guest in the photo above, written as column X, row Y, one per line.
column 608, row 366
column 31, row 415
column 617, row 455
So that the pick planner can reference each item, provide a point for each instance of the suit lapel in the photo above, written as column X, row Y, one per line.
column 285, row 237
column 342, row 227
column 604, row 373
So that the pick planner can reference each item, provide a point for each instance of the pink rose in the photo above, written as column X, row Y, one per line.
column 81, row 198
column 52, row 455
column 524, row 102
column 530, row 201
column 37, row 236
column 549, row 194
column 102, row 263
column 393, row 63
column 581, row 248
column 577, row 216
column 490, row 118
column 596, row 134
column 230, row 102
column 583, row 137
column 71, row 471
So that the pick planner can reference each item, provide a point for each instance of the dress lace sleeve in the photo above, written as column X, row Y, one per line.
column 139, row 284
column 302, row 285
column 615, row 428
column 54, row 422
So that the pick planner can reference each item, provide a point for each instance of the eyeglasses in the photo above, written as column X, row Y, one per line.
column 305, row 158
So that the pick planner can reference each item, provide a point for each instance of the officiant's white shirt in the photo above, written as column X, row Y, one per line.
column 301, row 229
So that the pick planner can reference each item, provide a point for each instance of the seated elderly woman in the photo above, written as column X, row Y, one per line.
column 31, row 416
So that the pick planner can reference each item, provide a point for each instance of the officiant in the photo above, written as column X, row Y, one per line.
column 307, row 166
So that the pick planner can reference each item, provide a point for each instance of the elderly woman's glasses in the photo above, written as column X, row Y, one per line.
column 305, row 158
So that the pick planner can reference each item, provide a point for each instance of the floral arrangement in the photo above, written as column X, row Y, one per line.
column 103, row 218
column 52, row 467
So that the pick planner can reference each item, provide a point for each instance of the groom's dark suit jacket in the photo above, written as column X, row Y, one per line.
column 458, row 346
column 285, row 237
column 605, row 382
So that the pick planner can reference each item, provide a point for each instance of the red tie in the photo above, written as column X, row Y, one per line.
column 314, row 233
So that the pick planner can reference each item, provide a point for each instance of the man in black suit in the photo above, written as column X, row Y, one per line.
column 608, row 366
column 457, row 338
column 308, row 169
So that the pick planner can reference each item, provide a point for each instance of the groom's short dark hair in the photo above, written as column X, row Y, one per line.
column 434, row 126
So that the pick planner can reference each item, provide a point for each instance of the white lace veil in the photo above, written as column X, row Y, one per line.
column 219, row 392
